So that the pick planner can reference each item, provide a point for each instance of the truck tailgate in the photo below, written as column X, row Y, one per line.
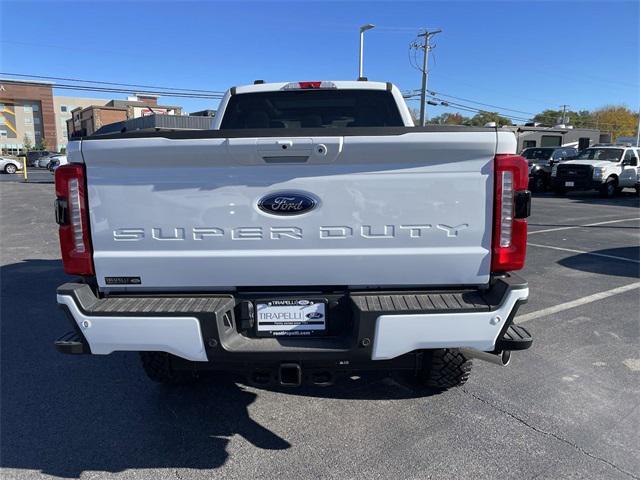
column 391, row 210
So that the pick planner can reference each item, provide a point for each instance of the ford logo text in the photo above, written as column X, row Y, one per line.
column 287, row 203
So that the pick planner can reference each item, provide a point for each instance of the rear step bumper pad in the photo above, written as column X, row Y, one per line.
column 376, row 326
column 396, row 335
column 179, row 335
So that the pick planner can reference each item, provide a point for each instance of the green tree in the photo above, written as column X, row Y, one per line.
column 482, row 118
column 581, row 119
column 617, row 119
column 450, row 119
column 41, row 144
column 26, row 142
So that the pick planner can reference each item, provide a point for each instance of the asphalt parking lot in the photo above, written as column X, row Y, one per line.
column 566, row 408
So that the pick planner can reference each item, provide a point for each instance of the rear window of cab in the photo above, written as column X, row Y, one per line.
column 312, row 109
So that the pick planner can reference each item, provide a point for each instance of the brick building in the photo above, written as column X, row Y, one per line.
column 31, row 114
column 26, row 114
column 86, row 121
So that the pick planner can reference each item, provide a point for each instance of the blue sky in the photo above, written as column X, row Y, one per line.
column 520, row 55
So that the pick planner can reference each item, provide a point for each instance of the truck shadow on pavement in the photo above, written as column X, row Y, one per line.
column 64, row 415
column 619, row 262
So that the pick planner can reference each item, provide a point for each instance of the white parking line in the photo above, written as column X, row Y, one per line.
column 581, row 226
column 576, row 303
column 594, row 254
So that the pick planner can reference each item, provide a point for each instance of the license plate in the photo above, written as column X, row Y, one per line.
column 568, row 184
column 290, row 317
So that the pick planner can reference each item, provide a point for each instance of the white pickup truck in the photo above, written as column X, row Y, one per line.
column 607, row 168
column 312, row 232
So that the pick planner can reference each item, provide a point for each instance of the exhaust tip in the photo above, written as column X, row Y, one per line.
column 501, row 358
column 505, row 357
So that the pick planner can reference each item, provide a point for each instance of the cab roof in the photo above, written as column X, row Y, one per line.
column 325, row 84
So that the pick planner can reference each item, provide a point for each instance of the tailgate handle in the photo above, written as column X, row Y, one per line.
column 286, row 159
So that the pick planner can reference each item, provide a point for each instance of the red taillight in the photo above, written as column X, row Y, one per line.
column 509, row 244
column 71, row 215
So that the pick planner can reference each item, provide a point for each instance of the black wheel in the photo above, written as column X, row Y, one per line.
column 560, row 191
column 538, row 184
column 442, row 369
column 10, row 168
column 158, row 367
column 609, row 188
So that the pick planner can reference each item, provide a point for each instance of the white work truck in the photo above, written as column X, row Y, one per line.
column 312, row 232
column 606, row 168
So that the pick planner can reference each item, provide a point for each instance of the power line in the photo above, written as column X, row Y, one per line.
column 109, row 83
column 88, row 88
column 413, row 93
column 480, row 103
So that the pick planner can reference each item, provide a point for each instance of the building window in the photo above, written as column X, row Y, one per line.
column 63, row 108
column 36, row 107
column 528, row 144
column 28, row 120
column 36, row 120
column 551, row 141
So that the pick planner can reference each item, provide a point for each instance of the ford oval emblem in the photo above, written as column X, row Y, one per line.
column 287, row 203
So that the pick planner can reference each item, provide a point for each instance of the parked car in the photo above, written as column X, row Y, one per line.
column 541, row 161
column 56, row 161
column 9, row 165
column 321, row 231
column 35, row 155
column 43, row 162
column 606, row 168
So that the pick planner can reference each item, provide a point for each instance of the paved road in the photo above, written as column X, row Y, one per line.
column 34, row 175
column 567, row 408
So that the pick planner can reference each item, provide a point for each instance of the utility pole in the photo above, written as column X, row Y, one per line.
column 564, row 112
column 363, row 29
column 426, row 47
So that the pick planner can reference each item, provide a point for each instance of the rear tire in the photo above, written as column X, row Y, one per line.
column 609, row 188
column 538, row 184
column 443, row 369
column 159, row 367
column 10, row 168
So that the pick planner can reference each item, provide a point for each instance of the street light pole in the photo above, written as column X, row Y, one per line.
column 363, row 29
